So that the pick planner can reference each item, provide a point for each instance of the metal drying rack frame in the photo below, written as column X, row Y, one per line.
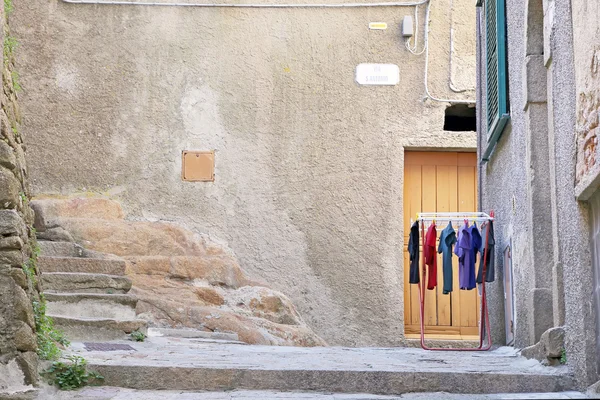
column 484, row 320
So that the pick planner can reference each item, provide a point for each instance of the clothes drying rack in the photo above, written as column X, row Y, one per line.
column 484, row 320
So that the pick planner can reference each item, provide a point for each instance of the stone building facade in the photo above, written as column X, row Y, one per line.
column 542, row 175
column 18, row 283
column 308, row 184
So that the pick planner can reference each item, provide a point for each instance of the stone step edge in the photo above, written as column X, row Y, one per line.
column 94, row 320
column 127, row 325
column 80, row 264
column 171, row 377
column 119, row 298
column 193, row 334
column 84, row 273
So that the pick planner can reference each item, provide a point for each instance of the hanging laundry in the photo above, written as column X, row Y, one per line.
column 413, row 251
column 447, row 239
column 460, row 253
column 431, row 256
column 489, row 260
column 469, row 242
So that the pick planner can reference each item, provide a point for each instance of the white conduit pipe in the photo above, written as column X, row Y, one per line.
column 340, row 5
column 454, row 101
column 160, row 4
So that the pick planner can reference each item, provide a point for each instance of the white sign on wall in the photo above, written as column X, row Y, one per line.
column 377, row 74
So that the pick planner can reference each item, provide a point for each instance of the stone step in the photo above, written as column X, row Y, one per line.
column 84, row 283
column 194, row 333
column 85, row 265
column 77, row 305
column 188, row 364
column 97, row 328
column 60, row 249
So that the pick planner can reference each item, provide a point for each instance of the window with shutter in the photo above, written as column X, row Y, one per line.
column 496, row 73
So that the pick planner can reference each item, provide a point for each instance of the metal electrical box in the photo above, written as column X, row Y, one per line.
column 198, row 166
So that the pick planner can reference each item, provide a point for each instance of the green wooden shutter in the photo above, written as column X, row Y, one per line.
column 496, row 74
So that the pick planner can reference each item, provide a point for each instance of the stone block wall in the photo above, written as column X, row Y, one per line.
column 18, row 283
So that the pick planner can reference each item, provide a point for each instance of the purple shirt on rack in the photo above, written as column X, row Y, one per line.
column 469, row 243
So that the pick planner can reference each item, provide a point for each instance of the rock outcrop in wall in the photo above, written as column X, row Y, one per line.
column 18, row 283
column 181, row 279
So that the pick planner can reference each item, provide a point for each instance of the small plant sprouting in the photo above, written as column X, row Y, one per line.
column 29, row 271
column 137, row 336
column 10, row 44
column 23, row 197
column 71, row 375
column 8, row 6
column 563, row 356
column 47, row 335
column 15, row 81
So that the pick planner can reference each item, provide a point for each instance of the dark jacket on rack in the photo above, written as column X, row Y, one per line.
column 413, row 250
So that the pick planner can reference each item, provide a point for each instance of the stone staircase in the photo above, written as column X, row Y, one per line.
column 87, row 292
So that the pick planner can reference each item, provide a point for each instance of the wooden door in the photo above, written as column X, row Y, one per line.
column 439, row 182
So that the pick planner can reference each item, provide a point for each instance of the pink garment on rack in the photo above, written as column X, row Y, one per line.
column 431, row 256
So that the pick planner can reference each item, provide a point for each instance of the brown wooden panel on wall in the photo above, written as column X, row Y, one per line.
column 440, row 182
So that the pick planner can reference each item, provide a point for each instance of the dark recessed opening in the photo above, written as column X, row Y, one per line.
column 460, row 117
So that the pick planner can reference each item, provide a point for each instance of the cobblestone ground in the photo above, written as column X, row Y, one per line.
column 112, row 393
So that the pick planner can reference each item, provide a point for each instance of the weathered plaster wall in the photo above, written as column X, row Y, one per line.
column 509, row 178
column 309, row 165
column 18, row 344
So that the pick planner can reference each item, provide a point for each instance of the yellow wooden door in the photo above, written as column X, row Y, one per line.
column 439, row 182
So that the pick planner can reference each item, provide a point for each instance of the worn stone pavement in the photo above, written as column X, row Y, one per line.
column 234, row 370
column 198, row 352
column 113, row 393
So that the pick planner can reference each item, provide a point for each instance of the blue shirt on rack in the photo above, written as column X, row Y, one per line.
column 447, row 239
column 469, row 242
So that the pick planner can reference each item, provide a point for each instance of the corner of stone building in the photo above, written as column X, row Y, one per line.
column 18, row 283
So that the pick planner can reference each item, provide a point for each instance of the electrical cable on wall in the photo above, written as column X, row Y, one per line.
column 427, row 92
column 322, row 5
column 230, row 5
column 416, row 38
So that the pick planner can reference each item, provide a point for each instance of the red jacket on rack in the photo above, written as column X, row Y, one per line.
column 431, row 256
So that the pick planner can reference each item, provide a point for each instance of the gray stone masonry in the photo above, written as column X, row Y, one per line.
column 18, row 342
column 550, row 347
column 88, row 297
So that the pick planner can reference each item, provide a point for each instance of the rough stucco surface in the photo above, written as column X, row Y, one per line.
column 309, row 165
column 507, row 174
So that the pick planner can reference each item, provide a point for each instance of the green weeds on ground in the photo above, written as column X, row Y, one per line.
column 137, row 336
column 71, row 375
